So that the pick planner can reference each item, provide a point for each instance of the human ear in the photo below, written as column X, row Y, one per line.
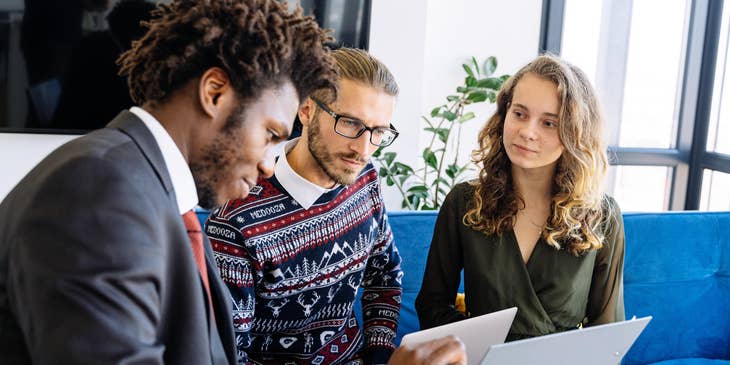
column 213, row 88
column 306, row 112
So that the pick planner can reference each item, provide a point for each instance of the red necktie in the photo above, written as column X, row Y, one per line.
column 196, row 243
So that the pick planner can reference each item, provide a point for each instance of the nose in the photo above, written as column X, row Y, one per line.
column 529, row 131
column 362, row 144
column 266, row 165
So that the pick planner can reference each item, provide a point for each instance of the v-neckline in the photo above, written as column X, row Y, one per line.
column 516, row 245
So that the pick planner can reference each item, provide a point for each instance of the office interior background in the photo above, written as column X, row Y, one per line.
column 661, row 69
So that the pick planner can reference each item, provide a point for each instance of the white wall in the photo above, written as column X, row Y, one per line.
column 20, row 152
column 424, row 44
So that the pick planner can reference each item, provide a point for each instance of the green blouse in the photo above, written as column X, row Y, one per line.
column 553, row 292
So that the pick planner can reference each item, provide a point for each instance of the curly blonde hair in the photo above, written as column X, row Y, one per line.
column 577, row 211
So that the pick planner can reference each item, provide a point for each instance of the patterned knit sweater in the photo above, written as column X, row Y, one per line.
column 294, row 273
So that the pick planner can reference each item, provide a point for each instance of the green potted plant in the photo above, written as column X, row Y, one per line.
column 424, row 188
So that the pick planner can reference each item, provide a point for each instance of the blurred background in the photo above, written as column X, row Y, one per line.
column 661, row 69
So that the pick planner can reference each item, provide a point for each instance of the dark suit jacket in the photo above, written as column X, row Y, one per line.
column 95, row 262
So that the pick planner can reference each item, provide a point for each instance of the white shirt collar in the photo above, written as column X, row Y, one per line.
column 302, row 190
column 177, row 167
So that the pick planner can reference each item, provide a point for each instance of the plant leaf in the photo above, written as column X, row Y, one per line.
column 389, row 181
column 477, row 96
column 492, row 96
column 435, row 111
column 450, row 116
column 466, row 117
column 429, row 158
column 470, row 81
column 468, row 70
column 452, row 98
column 389, row 157
column 403, row 169
column 476, row 65
column 442, row 133
column 383, row 172
column 417, row 189
column 451, row 170
column 493, row 83
column 490, row 65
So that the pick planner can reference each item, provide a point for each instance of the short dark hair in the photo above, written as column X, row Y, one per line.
column 258, row 43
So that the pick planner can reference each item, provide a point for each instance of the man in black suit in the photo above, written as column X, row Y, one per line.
column 101, row 261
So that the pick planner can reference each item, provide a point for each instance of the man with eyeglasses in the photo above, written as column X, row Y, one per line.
column 296, row 250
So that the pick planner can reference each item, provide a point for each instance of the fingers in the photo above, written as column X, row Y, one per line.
column 447, row 350
column 443, row 351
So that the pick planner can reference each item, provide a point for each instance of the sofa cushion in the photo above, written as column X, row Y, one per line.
column 412, row 232
column 677, row 270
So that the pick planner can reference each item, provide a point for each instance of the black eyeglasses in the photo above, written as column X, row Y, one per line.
column 353, row 128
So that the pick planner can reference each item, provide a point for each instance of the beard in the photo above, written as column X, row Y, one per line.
column 217, row 158
column 206, row 174
column 326, row 159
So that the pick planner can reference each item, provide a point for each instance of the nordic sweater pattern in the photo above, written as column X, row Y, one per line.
column 294, row 274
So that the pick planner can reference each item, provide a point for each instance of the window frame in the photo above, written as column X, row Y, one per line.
column 689, row 157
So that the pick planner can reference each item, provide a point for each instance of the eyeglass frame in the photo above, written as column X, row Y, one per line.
column 337, row 117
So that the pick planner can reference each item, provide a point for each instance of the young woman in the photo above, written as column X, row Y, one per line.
column 534, row 230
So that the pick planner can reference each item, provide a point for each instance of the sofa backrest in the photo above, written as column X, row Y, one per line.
column 412, row 232
column 677, row 269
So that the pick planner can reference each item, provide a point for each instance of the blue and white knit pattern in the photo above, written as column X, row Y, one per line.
column 294, row 273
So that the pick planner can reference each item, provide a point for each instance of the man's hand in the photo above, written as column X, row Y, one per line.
column 442, row 351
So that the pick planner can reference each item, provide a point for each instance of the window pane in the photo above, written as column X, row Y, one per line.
column 653, row 71
column 581, row 32
column 641, row 188
column 715, row 191
column 718, row 137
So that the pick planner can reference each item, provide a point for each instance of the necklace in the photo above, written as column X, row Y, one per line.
column 540, row 227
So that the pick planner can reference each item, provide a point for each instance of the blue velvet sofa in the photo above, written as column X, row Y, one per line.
column 677, row 269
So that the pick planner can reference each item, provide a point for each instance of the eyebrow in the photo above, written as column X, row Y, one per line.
column 342, row 114
column 526, row 108
column 282, row 130
column 347, row 115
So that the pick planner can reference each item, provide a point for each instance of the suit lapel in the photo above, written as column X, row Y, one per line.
column 132, row 126
column 223, row 340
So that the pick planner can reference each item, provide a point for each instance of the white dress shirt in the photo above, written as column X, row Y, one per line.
column 302, row 190
column 178, row 169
